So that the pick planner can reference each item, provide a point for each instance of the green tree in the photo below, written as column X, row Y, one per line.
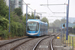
column 29, row 16
column 63, row 20
column 58, row 23
column 18, row 11
column 74, row 27
column 17, row 25
column 37, row 17
column 3, row 19
column 3, row 23
column 45, row 20
column 3, row 9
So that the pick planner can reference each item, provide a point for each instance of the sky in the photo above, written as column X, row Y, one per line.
column 36, row 5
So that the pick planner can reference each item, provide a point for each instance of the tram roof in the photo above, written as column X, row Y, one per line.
column 37, row 20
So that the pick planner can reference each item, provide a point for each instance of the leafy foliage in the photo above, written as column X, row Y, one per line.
column 17, row 22
column 37, row 17
column 3, row 19
column 3, row 23
column 18, row 11
column 45, row 20
column 3, row 9
column 57, row 23
column 74, row 27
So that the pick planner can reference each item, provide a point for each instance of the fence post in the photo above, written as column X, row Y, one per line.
column 72, row 43
column 69, row 40
column 63, row 38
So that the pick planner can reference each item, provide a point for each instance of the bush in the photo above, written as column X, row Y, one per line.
column 4, row 34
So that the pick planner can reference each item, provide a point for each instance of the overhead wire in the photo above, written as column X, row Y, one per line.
column 65, row 15
column 65, row 1
column 23, row 1
column 28, row 6
column 48, row 7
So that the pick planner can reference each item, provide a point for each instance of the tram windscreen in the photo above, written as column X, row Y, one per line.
column 32, row 26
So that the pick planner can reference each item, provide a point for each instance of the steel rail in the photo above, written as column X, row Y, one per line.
column 1, row 45
column 39, row 42
column 52, row 44
column 21, row 44
column 52, row 41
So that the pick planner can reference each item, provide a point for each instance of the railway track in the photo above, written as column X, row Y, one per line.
column 33, row 43
column 35, row 47
column 18, row 46
column 1, row 45
column 11, row 44
column 31, row 46
column 50, row 46
column 21, row 44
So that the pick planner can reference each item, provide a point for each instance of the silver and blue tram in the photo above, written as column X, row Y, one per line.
column 36, row 27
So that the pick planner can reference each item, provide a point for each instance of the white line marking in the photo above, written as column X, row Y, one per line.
column 43, row 46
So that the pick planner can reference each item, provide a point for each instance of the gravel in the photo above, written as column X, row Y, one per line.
column 44, row 45
column 9, row 46
column 29, row 45
column 57, row 44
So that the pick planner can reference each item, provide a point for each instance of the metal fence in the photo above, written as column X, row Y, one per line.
column 70, row 42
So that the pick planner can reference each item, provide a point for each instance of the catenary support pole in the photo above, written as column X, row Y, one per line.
column 26, row 15
column 9, row 16
column 34, row 13
column 67, row 20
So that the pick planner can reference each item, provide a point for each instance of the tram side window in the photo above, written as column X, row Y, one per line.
column 40, row 27
column 37, row 27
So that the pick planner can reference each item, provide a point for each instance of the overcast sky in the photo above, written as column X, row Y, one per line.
column 35, row 4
